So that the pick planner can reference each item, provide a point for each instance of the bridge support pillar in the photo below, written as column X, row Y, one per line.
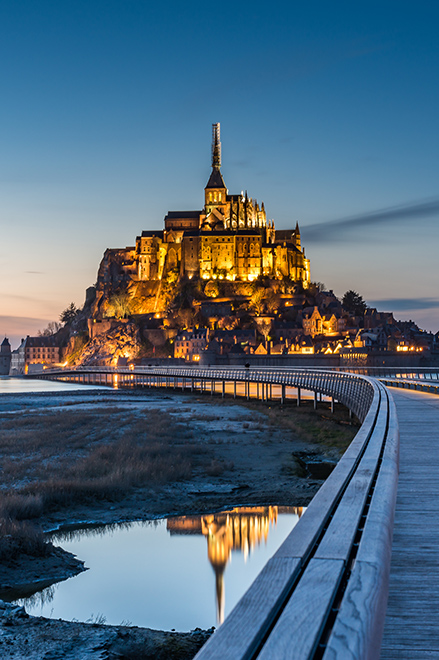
column 223, row 393
column 234, row 389
column 212, row 387
column 282, row 396
column 298, row 396
column 332, row 404
column 315, row 400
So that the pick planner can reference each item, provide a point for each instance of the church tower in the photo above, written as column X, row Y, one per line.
column 215, row 192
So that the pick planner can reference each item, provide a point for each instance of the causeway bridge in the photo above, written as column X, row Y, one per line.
column 358, row 575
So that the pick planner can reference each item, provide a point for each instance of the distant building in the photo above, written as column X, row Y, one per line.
column 315, row 323
column 190, row 344
column 35, row 353
column 5, row 357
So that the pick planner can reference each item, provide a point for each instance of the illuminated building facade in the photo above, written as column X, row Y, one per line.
column 189, row 344
column 35, row 352
column 230, row 238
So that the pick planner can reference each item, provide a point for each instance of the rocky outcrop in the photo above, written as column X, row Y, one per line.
column 121, row 342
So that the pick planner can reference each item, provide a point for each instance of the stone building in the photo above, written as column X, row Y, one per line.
column 35, row 353
column 189, row 344
column 230, row 238
column 5, row 357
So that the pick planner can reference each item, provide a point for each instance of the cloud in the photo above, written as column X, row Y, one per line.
column 405, row 304
column 20, row 321
column 35, row 272
column 335, row 230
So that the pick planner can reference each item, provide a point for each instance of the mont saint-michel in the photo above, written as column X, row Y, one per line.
column 218, row 285
column 230, row 238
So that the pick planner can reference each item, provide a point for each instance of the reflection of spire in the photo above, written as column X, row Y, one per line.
column 220, row 593
column 241, row 529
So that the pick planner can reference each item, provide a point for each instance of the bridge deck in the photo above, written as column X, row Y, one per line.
column 412, row 621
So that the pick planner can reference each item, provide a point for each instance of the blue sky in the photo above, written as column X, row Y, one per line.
column 328, row 114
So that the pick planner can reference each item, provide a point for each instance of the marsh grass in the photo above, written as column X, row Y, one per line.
column 63, row 458
column 332, row 430
column 18, row 537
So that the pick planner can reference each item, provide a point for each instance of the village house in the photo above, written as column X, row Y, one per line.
column 189, row 344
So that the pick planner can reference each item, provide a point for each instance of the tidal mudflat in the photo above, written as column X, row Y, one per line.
column 104, row 456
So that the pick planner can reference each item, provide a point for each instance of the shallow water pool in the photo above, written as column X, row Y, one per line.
column 176, row 573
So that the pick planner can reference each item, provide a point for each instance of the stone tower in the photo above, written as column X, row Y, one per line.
column 5, row 357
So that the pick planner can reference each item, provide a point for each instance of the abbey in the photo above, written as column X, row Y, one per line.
column 230, row 238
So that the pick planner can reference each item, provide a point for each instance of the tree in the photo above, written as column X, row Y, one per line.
column 257, row 301
column 265, row 329
column 354, row 303
column 69, row 314
column 272, row 301
column 211, row 290
column 52, row 329
column 119, row 305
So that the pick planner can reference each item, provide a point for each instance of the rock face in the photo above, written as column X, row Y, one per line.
column 122, row 342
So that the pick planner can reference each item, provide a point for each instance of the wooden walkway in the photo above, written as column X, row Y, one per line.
column 412, row 621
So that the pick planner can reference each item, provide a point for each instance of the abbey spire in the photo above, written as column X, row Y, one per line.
column 216, row 146
column 216, row 188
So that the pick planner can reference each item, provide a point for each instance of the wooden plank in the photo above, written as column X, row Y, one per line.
column 358, row 628
column 411, row 625
column 298, row 629
column 338, row 539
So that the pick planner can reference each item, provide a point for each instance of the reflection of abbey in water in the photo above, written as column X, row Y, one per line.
column 240, row 529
